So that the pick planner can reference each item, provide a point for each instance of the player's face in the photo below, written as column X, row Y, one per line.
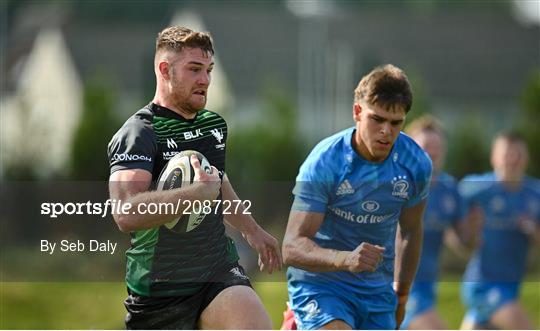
column 509, row 159
column 376, row 130
column 190, row 75
column 434, row 145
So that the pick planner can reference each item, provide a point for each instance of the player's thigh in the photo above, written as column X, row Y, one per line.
column 511, row 316
column 427, row 320
column 236, row 307
column 336, row 325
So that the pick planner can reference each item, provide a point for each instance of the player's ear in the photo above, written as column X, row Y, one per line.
column 356, row 110
column 163, row 68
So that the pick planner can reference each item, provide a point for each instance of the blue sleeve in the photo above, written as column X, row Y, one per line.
column 313, row 186
column 422, row 185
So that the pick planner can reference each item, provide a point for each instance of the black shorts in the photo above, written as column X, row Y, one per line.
column 180, row 312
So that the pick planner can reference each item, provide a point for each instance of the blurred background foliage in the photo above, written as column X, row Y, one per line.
column 99, row 122
column 529, row 120
column 468, row 149
column 270, row 148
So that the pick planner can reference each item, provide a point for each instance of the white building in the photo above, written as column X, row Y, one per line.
column 39, row 119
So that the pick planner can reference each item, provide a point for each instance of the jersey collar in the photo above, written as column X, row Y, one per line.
column 166, row 112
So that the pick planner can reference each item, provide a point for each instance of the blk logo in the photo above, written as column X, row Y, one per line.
column 190, row 135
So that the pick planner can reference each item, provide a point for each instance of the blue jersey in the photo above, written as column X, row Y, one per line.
column 444, row 207
column 361, row 202
column 503, row 251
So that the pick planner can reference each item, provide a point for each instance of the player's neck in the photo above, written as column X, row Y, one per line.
column 513, row 183
column 165, row 102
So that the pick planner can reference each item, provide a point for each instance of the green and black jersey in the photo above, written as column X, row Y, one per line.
column 161, row 262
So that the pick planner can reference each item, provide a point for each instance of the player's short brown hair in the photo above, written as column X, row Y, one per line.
column 510, row 136
column 425, row 123
column 386, row 86
column 175, row 38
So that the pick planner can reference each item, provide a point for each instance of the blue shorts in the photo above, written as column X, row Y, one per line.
column 421, row 300
column 484, row 299
column 317, row 305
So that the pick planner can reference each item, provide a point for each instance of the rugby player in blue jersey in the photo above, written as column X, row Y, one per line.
column 441, row 224
column 351, row 193
column 508, row 204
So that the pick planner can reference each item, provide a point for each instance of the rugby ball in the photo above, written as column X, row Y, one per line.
column 179, row 172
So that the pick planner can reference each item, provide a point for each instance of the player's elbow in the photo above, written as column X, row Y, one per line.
column 124, row 223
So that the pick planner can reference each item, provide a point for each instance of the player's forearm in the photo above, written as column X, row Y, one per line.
column 237, row 216
column 243, row 223
column 455, row 241
column 150, row 209
column 530, row 228
column 304, row 253
column 408, row 247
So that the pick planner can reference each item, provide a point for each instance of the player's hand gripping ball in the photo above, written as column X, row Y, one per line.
column 179, row 172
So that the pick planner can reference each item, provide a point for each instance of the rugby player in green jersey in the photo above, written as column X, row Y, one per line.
column 178, row 279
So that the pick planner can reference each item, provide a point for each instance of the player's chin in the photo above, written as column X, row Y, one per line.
column 381, row 153
column 197, row 101
column 197, row 106
column 382, row 148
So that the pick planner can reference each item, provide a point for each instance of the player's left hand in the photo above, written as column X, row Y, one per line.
column 268, row 248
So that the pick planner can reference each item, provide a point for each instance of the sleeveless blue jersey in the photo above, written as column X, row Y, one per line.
column 503, row 251
column 361, row 202
column 444, row 207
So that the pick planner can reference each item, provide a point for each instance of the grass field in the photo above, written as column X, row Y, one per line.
column 99, row 305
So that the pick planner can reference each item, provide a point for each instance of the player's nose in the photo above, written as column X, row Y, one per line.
column 204, row 79
column 386, row 129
